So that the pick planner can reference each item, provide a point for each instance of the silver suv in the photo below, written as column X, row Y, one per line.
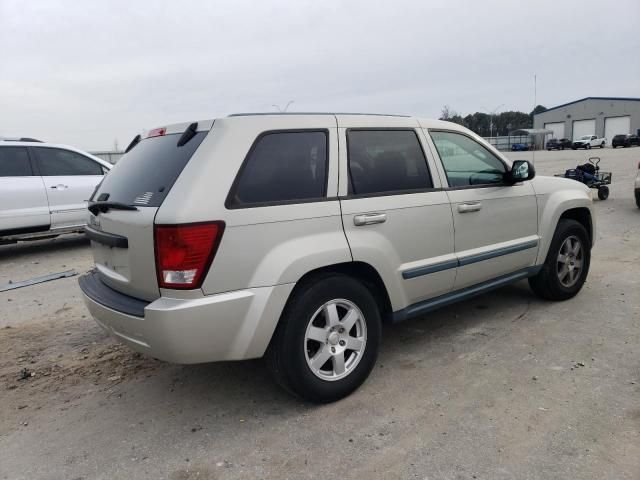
column 296, row 235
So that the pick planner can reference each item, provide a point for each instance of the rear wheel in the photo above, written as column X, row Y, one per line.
column 602, row 145
column 603, row 192
column 567, row 264
column 638, row 198
column 588, row 147
column 327, row 340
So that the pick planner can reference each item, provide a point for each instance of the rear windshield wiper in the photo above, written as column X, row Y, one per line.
column 97, row 207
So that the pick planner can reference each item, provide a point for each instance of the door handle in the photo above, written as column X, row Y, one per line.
column 469, row 207
column 369, row 219
column 59, row 186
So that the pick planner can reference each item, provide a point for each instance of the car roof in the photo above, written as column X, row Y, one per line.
column 38, row 143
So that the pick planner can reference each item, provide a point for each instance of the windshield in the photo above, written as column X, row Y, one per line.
column 585, row 137
column 145, row 175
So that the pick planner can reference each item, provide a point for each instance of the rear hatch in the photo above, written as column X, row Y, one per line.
column 124, row 206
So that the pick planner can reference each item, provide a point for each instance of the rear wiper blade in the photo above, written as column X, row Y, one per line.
column 97, row 207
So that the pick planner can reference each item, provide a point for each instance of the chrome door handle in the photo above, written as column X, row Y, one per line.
column 369, row 219
column 469, row 207
column 59, row 186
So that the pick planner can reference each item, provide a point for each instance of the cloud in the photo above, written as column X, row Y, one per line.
column 86, row 73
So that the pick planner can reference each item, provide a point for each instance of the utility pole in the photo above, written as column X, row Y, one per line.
column 491, row 115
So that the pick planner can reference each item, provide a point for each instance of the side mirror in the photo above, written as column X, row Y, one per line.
column 521, row 170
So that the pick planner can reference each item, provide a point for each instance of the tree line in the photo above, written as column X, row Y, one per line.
column 485, row 124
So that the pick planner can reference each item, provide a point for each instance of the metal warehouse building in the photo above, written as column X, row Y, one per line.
column 601, row 116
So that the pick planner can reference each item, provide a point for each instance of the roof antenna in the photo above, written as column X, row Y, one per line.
column 283, row 110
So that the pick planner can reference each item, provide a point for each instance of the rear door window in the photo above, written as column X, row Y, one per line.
column 57, row 162
column 14, row 162
column 147, row 172
column 382, row 161
column 282, row 167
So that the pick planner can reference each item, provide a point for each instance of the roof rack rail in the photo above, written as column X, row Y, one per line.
column 248, row 114
column 20, row 139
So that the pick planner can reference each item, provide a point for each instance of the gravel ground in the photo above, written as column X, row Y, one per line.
column 503, row 386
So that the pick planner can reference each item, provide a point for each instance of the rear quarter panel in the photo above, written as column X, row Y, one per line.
column 262, row 245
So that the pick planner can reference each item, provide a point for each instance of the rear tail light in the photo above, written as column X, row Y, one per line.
column 184, row 253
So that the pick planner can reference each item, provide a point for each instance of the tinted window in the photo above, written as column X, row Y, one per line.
column 386, row 161
column 283, row 167
column 14, row 162
column 58, row 162
column 466, row 162
column 145, row 175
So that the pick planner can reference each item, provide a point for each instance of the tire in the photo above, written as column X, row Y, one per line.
column 291, row 351
column 588, row 147
column 547, row 283
column 638, row 198
column 603, row 192
column 602, row 145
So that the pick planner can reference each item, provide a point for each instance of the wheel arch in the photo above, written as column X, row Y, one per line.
column 582, row 215
column 361, row 271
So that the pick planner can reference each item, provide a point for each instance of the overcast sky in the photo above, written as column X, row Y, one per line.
column 85, row 73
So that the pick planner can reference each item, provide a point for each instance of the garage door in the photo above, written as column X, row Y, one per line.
column 583, row 127
column 615, row 125
column 557, row 128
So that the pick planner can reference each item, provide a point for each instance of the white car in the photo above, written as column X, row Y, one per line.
column 296, row 235
column 44, row 188
column 588, row 141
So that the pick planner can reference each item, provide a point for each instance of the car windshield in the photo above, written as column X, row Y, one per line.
column 585, row 137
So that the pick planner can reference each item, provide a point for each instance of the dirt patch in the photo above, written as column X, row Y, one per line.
column 62, row 359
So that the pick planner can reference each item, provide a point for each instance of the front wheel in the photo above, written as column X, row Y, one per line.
column 603, row 192
column 588, row 147
column 638, row 198
column 602, row 145
column 567, row 264
column 326, row 343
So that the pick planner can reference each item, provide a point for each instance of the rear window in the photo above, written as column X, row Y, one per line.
column 14, row 162
column 282, row 167
column 145, row 175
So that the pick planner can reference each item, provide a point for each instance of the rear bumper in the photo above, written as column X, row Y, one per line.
column 227, row 326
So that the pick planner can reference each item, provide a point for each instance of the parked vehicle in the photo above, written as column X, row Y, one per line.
column 44, row 188
column 296, row 235
column 588, row 141
column 519, row 147
column 636, row 189
column 589, row 173
column 625, row 140
column 558, row 144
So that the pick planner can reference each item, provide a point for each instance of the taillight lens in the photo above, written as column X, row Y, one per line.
column 184, row 253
